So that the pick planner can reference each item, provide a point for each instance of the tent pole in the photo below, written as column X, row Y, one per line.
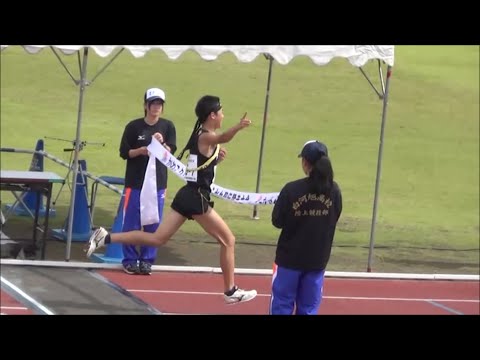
column 379, row 169
column 267, row 97
column 83, row 83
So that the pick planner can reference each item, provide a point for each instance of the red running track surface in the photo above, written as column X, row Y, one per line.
column 201, row 293
column 10, row 306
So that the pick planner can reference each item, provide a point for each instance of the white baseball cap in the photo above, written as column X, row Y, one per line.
column 153, row 94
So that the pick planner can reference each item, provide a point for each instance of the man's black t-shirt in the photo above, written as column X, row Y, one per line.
column 138, row 133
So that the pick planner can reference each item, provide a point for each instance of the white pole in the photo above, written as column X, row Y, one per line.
column 83, row 83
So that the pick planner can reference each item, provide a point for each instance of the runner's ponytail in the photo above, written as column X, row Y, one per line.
column 197, row 126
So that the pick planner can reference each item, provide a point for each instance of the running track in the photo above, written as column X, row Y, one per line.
column 200, row 293
column 10, row 306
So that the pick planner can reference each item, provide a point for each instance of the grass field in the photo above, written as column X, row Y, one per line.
column 429, row 193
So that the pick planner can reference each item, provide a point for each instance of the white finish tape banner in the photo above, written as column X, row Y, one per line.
column 179, row 169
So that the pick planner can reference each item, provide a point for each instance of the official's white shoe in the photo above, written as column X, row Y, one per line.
column 97, row 240
column 239, row 296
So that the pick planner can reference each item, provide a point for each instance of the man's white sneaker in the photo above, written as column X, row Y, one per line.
column 97, row 240
column 240, row 296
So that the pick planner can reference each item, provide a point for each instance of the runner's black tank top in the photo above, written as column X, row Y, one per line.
column 205, row 176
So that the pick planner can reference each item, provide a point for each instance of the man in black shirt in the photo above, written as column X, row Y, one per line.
column 136, row 137
column 307, row 211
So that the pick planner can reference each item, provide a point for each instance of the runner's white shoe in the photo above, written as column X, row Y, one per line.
column 97, row 240
column 239, row 296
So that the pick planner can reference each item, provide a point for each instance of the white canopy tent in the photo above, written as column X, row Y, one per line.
column 357, row 55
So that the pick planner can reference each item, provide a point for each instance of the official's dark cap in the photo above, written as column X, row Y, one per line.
column 313, row 150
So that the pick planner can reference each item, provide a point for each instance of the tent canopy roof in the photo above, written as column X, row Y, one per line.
column 357, row 55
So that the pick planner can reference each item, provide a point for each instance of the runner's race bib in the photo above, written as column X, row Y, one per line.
column 191, row 164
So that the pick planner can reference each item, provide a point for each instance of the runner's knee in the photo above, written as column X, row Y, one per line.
column 227, row 241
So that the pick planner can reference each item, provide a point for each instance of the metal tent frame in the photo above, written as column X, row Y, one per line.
column 383, row 95
column 209, row 54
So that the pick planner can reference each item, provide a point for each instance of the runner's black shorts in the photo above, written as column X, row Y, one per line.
column 191, row 200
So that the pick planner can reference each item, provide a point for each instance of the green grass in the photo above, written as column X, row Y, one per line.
column 429, row 192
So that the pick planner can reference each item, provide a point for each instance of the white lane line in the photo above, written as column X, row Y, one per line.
column 13, row 308
column 325, row 297
column 245, row 271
